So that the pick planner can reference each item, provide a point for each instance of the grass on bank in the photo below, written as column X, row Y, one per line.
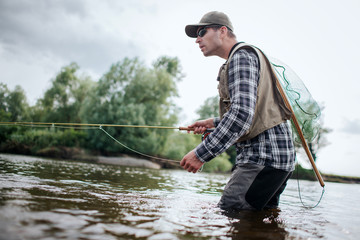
column 70, row 144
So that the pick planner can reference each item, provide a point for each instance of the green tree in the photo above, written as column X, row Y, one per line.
column 13, row 107
column 63, row 100
column 4, row 113
column 17, row 105
column 4, row 93
column 13, row 104
column 209, row 109
column 170, row 65
column 132, row 94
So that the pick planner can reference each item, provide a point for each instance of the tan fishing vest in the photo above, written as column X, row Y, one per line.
column 270, row 108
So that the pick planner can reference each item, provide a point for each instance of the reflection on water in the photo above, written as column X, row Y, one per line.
column 47, row 199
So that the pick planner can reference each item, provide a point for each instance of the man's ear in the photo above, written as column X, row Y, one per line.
column 223, row 31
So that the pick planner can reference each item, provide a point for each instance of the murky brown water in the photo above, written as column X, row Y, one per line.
column 49, row 199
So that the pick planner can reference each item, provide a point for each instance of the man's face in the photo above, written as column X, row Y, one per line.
column 208, row 40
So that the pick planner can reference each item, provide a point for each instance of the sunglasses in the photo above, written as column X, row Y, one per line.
column 203, row 31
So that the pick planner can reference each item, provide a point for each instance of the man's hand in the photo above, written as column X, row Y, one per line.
column 202, row 125
column 190, row 162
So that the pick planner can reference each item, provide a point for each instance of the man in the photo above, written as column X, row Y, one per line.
column 252, row 117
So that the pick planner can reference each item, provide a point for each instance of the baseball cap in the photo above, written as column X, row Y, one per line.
column 210, row 18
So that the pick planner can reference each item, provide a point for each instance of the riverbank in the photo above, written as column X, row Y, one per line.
column 77, row 154
column 308, row 174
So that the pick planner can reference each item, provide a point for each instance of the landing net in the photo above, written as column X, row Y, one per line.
column 306, row 109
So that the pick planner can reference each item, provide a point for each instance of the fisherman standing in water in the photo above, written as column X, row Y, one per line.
column 252, row 117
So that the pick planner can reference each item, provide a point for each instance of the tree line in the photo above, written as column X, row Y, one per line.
column 130, row 93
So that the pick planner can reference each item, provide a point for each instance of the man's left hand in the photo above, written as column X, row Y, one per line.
column 190, row 162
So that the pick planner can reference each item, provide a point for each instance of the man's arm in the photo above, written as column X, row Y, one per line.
column 242, row 82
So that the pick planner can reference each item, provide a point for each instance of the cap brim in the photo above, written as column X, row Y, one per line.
column 191, row 30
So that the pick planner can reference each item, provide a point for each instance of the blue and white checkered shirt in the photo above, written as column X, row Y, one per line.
column 273, row 147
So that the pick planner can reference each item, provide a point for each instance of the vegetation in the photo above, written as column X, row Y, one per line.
column 129, row 93
column 303, row 173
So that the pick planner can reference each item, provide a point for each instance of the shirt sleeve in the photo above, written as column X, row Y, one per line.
column 243, row 81
column 216, row 121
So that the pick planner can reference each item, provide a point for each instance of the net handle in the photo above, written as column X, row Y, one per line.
column 298, row 129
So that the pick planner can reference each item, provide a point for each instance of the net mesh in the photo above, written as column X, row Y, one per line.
column 306, row 109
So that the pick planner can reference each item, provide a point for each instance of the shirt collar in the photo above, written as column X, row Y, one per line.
column 234, row 48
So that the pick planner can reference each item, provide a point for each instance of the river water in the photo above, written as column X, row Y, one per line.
column 52, row 199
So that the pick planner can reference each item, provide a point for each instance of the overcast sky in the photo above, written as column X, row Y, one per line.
column 318, row 39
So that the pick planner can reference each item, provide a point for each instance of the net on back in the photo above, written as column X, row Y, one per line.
column 306, row 109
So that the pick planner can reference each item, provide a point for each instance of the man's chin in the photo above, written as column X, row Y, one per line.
column 207, row 54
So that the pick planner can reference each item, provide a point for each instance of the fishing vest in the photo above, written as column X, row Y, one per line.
column 270, row 108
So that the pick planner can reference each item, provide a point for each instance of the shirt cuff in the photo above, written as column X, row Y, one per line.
column 203, row 154
column 216, row 121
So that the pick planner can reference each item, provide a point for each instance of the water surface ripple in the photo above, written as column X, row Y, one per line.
column 51, row 199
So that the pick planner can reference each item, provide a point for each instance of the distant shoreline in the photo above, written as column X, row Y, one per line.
column 340, row 179
column 64, row 153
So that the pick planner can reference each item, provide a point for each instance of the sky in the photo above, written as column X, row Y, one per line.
column 318, row 39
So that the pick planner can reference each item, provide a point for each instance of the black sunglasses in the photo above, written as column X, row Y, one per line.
column 203, row 31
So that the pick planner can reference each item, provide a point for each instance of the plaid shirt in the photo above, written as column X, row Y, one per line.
column 273, row 147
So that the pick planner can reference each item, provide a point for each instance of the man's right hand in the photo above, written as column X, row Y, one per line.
column 201, row 125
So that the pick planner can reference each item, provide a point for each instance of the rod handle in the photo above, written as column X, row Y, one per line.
column 186, row 129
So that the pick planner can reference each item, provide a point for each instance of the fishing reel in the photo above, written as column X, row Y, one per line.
column 206, row 133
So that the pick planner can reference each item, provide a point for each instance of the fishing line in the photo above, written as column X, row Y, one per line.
column 133, row 150
column 299, row 191
column 143, row 154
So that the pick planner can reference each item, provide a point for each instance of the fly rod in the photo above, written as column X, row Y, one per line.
column 92, row 125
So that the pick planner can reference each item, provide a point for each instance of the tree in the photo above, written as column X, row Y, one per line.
column 13, row 107
column 4, row 113
column 17, row 105
column 209, row 109
column 13, row 104
column 4, row 93
column 132, row 94
column 170, row 65
column 63, row 101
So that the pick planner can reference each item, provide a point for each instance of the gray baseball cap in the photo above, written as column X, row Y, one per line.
column 210, row 18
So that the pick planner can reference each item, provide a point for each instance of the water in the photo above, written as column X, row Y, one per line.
column 50, row 199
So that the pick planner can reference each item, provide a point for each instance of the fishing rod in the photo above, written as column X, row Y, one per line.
column 204, row 135
column 100, row 126
column 93, row 125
